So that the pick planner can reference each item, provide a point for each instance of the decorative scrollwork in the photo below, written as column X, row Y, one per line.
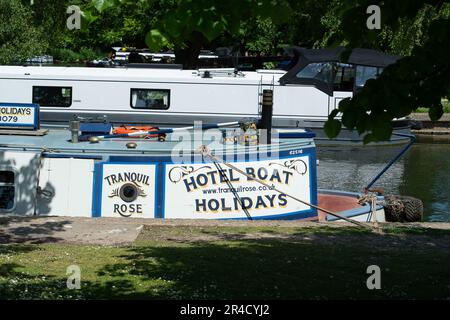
column 178, row 173
column 297, row 165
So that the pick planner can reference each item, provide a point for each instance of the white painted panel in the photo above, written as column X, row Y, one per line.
column 141, row 178
column 67, row 185
column 300, row 101
column 201, row 193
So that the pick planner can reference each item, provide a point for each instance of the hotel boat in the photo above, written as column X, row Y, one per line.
column 47, row 173
column 165, row 95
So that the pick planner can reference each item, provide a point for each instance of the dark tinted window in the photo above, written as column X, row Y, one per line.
column 322, row 71
column 7, row 189
column 7, row 197
column 53, row 96
column 365, row 73
column 344, row 77
column 158, row 99
column 6, row 177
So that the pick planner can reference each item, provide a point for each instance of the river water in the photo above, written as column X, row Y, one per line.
column 423, row 172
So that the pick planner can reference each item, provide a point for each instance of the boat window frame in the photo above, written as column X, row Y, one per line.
column 14, row 184
column 53, row 106
column 150, row 89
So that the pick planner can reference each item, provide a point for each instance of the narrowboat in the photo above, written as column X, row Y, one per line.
column 88, row 170
column 305, row 93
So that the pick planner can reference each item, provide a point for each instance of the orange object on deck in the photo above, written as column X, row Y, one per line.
column 131, row 129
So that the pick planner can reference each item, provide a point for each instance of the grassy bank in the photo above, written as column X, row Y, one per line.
column 445, row 104
column 169, row 262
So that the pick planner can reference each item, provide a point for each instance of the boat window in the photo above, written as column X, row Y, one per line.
column 322, row 71
column 344, row 78
column 7, row 189
column 150, row 99
column 53, row 96
column 364, row 73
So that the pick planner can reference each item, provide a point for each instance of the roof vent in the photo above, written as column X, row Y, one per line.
column 222, row 72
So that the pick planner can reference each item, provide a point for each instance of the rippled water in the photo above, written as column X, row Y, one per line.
column 423, row 172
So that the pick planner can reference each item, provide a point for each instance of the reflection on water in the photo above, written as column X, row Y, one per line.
column 423, row 172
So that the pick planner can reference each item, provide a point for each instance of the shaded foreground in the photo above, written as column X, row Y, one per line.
column 234, row 262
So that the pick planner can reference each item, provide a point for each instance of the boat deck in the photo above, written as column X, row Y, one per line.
column 58, row 140
column 341, row 202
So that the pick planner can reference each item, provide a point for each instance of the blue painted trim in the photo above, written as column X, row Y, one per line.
column 34, row 106
column 313, row 178
column 296, row 135
column 97, row 190
column 100, row 183
column 297, row 215
column 248, row 157
column 163, row 191
column 161, row 181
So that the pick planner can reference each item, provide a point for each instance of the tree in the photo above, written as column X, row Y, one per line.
column 190, row 25
column 19, row 38
column 418, row 80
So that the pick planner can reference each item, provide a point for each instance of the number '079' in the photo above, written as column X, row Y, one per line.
column 9, row 119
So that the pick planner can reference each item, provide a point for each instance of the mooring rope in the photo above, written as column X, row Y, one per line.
column 203, row 150
column 230, row 185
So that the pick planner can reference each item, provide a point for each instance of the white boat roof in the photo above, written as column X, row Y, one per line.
column 136, row 74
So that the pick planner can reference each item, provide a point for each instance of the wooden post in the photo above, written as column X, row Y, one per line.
column 266, row 117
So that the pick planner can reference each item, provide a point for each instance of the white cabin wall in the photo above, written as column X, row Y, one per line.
column 69, row 184
column 216, row 98
column 95, row 96
column 300, row 101
column 15, row 91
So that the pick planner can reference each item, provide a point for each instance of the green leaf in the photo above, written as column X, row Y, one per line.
column 349, row 119
column 101, row 5
column 332, row 128
column 88, row 16
column 369, row 138
column 381, row 126
column 436, row 112
column 333, row 114
column 156, row 40
column 345, row 104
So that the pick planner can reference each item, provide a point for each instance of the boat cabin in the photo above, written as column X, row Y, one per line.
column 304, row 95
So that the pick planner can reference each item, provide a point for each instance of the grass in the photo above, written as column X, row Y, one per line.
column 234, row 263
column 445, row 104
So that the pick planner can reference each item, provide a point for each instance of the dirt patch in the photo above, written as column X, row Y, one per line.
column 68, row 230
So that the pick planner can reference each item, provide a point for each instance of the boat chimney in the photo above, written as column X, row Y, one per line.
column 266, row 117
column 75, row 130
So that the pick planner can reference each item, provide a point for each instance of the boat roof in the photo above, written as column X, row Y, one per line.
column 57, row 143
column 136, row 74
column 358, row 56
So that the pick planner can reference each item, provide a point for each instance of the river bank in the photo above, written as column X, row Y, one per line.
column 123, row 231
column 440, row 127
column 232, row 260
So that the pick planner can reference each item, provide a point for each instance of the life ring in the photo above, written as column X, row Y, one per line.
column 131, row 129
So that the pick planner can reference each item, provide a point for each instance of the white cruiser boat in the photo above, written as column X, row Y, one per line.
column 304, row 95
